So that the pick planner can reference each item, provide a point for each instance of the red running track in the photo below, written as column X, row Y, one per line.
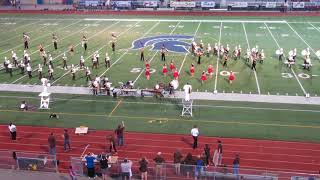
column 257, row 154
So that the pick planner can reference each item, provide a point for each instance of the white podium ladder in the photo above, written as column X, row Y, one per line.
column 186, row 107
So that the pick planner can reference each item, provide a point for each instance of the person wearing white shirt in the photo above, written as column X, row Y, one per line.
column 10, row 69
column 13, row 131
column 187, row 91
column 29, row 70
column 195, row 135
column 40, row 71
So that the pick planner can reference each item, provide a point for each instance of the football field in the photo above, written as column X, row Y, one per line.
column 177, row 33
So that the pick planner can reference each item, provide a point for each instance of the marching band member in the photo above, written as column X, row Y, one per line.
column 50, row 61
column 41, row 49
column 6, row 63
column 239, row 51
column 164, row 70
column 147, row 64
column 192, row 70
column 215, row 49
column 231, row 77
column 55, row 41
column 225, row 60
column 25, row 57
column 10, row 68
column 210, row 70
column 97, row 56
column 248, row 55
column 176, row 74
column 26, row 40
column 227, row 49
column 254, row 63
column 107, row 61
column 73, row 72
column 172, row 66
column 29, row 70
column 142, row 54
column 113, row 46
column 71, row 49
column 64, row 59
column 40, row 71
column 81, row 62
column 163, row 53
column 203, row 77
column 235, row 53
column 280, row 54
column 50, row 71
column 209, row 49
column 193, row 47
column 200, row 53
column 261, row 56
column 147, row 73
column 22, row 66
column 201, row 44
column 14, row 58
column 44, row 58
column 84, row 42
column 294, row 55
column 88, row 74
column 307, row 63
column 94, row 62
column 222, row 51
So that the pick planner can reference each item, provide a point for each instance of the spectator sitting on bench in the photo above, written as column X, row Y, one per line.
column 24, row 106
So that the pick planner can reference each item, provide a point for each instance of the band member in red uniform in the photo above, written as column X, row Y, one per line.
column 163, row 53
column 172, row 66
column 203, row 77
column 147, row 73
column 192, row 70
column 210, row 70
column 176, row 74
column 147, row 65
column 164, row 70
column 231, row 77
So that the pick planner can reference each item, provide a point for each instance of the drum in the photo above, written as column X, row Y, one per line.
column 175, row 84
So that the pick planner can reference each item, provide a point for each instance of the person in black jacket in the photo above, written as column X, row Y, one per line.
column 104, row 166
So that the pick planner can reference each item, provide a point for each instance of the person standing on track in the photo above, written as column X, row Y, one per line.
column 119, row 131
column 52, row 144
column 236, row 165
column 13, row 131
column 195, row 135
column 112, row 144
column 66, row 141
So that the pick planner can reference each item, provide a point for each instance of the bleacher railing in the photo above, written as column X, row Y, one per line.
column 184, row 171
column 28, row 161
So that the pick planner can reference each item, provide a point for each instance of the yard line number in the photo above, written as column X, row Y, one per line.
column 301, row 75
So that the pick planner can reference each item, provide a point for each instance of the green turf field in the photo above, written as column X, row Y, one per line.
column 266, row 32
column 214, row 118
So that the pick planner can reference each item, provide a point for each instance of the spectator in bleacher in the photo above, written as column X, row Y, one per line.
column 236, row 165
column 72, row 173
column 143, row 168
column 207, row 155
column 52, row 144
column 177, row 157
column 119, row 131
column 126, row 171
column 13, row 131
column 66, row 141
column 90, row 165
column 199, row 167
column 112, row 145
column 195, row 134
column 159, row 160
column 104, row 166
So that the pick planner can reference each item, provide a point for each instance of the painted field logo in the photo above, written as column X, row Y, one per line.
column 174, row 43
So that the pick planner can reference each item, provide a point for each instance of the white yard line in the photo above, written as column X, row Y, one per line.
column 155, row 54
column 15, row 29
column 66, row 51
column 185, row 56
column 39, row 37
column 275, row 40
column 255, row 73
column 302, row 39
column 217, row 65
column 105, row 44
column 129, row 49
column 314, row 26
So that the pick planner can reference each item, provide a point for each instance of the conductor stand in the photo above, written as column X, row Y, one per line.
column 187, row 107
column 45, row 95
